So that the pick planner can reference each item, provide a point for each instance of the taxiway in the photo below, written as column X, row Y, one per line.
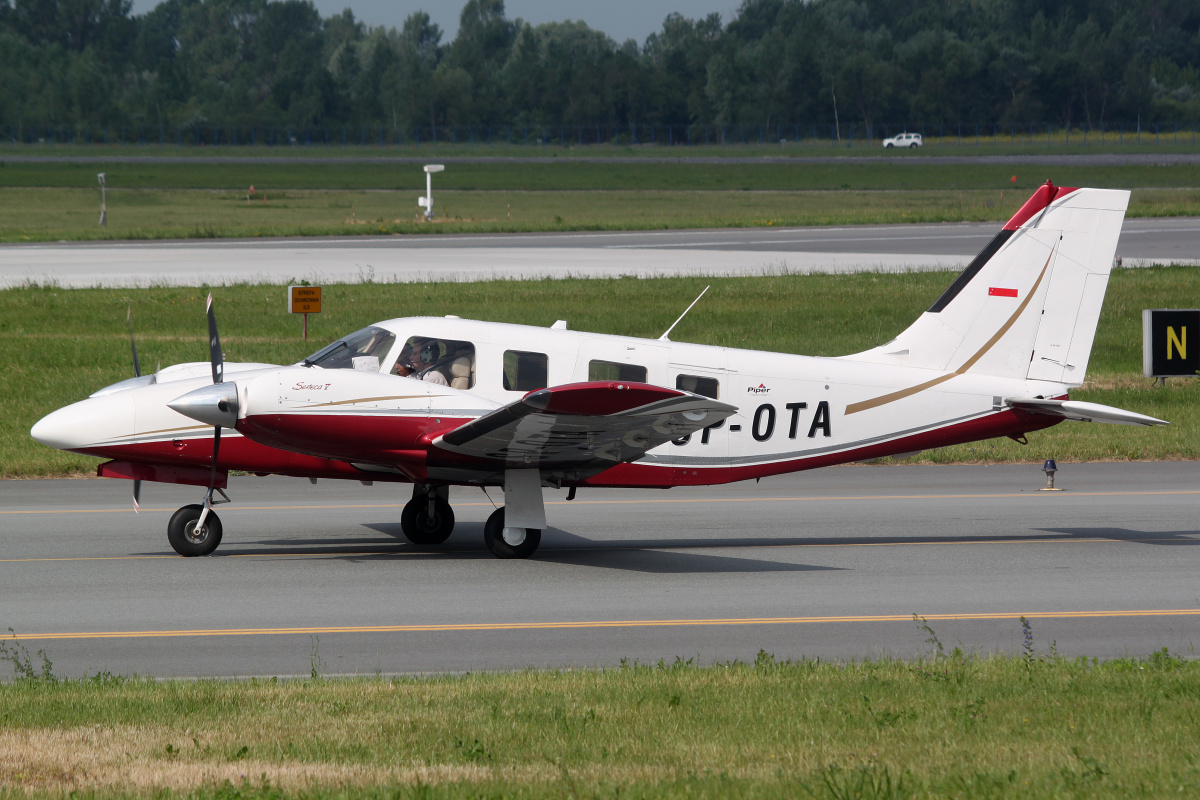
column 831, row 564
column 740, row 251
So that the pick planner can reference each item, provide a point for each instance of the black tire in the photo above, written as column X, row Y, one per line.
column 913, row 145
column 889, row 145
column 420, row 528
column 181, row 532
column 494, row 539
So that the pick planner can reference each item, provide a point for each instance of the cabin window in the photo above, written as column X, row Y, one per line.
column 707, row 387
column 612, row 371
column 524, row 372
column 443, row 361
column 368, row 342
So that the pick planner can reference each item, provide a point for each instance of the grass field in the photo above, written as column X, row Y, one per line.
column 48, row 202
column 590, row 175
column 1030, row 726
column 60, row 345
column 71, row 214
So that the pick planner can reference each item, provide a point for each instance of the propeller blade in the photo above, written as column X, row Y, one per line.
column 215, row 356
column 137, row 493
column 137, row 368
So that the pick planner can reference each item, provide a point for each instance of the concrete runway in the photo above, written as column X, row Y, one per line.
column 740, row 251
column 831, row 563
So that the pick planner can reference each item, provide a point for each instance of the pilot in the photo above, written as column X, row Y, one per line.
column 404, row 365
column 425, row 353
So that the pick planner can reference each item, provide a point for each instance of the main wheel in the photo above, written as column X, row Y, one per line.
column 420, row 527
column 911, row 146
column 509, row 542
column 889, row 144
column 184, row 537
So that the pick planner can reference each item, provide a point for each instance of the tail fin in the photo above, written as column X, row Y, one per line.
column 1028, row 305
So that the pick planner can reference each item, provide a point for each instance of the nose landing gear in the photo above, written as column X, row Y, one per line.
column 195, row 530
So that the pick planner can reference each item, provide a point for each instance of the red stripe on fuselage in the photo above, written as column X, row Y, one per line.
column 1002, row 423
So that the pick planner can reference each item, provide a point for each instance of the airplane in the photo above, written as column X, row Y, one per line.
column 440, row 402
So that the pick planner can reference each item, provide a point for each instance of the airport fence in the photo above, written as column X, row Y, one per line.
column 809, row 135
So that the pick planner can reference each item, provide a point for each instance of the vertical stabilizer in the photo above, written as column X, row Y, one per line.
column 1027, row 306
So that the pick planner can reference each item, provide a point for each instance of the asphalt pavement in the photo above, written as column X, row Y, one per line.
column 738, row 252
column 831, row 563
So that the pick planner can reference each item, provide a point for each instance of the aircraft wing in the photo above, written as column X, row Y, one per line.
column 1083, row 412
column 583, row 423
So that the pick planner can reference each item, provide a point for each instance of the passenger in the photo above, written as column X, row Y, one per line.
column 425, row 353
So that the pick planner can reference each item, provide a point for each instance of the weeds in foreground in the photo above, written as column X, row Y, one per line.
column 23, row 669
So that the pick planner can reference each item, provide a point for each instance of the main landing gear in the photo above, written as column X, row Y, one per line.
column 195, row 530
column 427, row 518
column 512, row 531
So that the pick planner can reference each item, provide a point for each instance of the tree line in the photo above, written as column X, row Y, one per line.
column 186, row 63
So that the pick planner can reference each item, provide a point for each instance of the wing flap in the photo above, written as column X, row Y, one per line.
column 584, row 423
column 1083, row 412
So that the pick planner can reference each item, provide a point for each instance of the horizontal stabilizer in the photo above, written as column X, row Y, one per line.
column 584, row 423
column 1083, row 412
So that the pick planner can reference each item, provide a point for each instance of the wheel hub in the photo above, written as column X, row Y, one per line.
column 194, row 534
column 513, row 537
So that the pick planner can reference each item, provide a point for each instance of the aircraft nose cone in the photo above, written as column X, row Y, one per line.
column 216, row 405
column 87, row 423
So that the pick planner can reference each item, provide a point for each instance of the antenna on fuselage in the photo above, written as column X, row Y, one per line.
column 664, row 338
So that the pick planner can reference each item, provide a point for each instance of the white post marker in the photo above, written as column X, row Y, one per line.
column 103, row 210
column 426, row 202
column 304, row 300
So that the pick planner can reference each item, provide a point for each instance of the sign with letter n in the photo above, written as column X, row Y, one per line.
column 1170, row 342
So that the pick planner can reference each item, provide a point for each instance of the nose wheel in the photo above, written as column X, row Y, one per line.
column 189, row 535
column 509, row 542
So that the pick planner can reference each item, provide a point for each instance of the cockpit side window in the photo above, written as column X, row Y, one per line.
column 447, row 362
column 368, row 342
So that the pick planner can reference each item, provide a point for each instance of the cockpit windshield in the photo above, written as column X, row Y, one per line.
column 341, row 354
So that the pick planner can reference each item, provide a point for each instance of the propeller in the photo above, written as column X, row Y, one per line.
column 217, row 359
column 137, row 373
column 216, row 405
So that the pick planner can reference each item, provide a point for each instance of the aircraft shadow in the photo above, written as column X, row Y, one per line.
column 658, row 555
column 1168, row 538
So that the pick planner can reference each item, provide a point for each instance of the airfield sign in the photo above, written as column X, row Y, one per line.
column 304, row 300
column 1170, row 342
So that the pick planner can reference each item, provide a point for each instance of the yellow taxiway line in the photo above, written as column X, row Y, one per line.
column 660, row 501
column 593, row 624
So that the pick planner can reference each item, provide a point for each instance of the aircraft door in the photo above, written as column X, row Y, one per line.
column 617, row 360
column 710, row 379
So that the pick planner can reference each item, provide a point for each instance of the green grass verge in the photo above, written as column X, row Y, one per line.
column 61, row 344
column 567, row 175
column 42, row 215
column 953, row 726
column 71, row 214
column 48, row 202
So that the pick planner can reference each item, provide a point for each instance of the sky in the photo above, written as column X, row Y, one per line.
column 620, row 19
